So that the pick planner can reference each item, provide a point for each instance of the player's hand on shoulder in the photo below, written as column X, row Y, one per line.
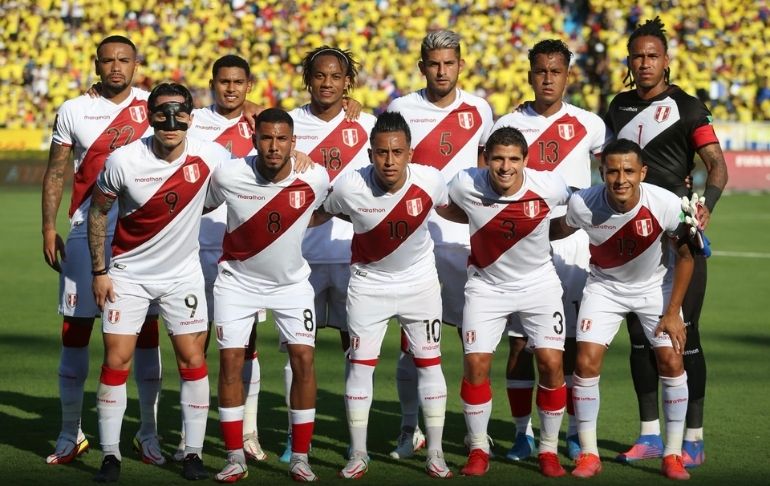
column 53, row 249
column 95, row 90
column 302, row 162
column 352, row 108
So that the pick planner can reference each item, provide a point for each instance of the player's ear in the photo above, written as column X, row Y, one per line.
column 526, row 160
column 461, row 64
column 643, row 173
column 529, row 77
column 421, row 65
column 601, row 171
column 411, row 152
column 370, row 155
column 211, row 84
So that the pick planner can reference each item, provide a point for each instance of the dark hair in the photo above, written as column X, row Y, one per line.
column 116, row 39
column 275, row 115
column 654, row 28
column 170, row 89
column 230, row 60
column 507, row 136
column 440, row 39
column 349, row 65
column 622, row 146
column 389, row 122
column 550, row 46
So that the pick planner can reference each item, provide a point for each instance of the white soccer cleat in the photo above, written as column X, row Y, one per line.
column 232, row 472
column 67, row 449
column 299, row 469
column 252, row 448
column 356, row 467
column 436, row 466
column 149, row 450
column 408, row 444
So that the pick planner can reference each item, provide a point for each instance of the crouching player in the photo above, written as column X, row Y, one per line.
column 630, row 272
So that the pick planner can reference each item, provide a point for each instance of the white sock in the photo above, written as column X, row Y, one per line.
column 433, row 394
column 550, row 409
column 651, row 427
column 693, row 435
column 288, row 376
column 194, row 400
column 148, row 375
column 408, row 396
column 585, row 394
column 251, row 385
column 358, row 401
column 73, row 371
column 110, row 408
column 675, row 397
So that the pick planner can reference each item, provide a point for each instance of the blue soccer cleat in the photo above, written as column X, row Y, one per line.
column 523, row 447
column 573, row 447
column 646, row 447
column 692, row 453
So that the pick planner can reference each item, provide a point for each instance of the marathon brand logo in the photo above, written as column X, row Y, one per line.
column 350, row 137
column 90, row 117
column 138, row 113
column 148, row 179
column 414, row 207
column 113, row 316
column 628, row 108
column 661, row 113
column 371, row 210
column 566, row 131
column 191, row 173
column 465, row 119
column 644, row 227
column 72, row 300
column 251, row 197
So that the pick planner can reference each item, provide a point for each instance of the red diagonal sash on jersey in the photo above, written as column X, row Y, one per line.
column 269, row 223
column 556, row 143
column 130, row 124
column 237, row 138
column 514, row 223
column 339, row 147
column 448, row 137
column 628, row 242
column 166, row 204
column 394, row 229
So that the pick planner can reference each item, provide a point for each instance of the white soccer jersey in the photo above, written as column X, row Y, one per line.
column 391, row 244
column 627, row 249
column 340, row 146
column 266, row 222
column 509, row 234
column 449, row 140
column 234, row 134
column 160, row 205
column 94, row 127
column 560, row 143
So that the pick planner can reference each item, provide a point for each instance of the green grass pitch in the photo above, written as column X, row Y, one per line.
column 735, row 333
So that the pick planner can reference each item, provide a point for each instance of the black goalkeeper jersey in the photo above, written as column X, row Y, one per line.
column 669, row 128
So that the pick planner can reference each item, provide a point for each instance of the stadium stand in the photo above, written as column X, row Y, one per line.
column 46, row 47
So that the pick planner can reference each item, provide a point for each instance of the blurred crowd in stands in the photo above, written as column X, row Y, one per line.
column 717, row 48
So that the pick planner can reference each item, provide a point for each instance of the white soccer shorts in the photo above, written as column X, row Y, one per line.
column 571, row 257
column 76, row 296
column 452, row 267
column 330, row 283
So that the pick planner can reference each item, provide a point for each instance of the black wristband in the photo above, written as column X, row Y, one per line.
column 96, row 273
column 712, row 194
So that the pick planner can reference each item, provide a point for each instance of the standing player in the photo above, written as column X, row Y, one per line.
column 449, row 128
column 670, row 126
column 160, row 183
column 625, row 220
column 510, row 271
column 339, row 144
column 91, row 128
column 393, row 274
column 561, row 139
column 269, row 206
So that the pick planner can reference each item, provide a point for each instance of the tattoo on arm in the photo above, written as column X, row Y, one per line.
column 714, row 160
column 53, row 183
column 97, row 227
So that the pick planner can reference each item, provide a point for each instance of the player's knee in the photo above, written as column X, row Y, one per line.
column 76, row 332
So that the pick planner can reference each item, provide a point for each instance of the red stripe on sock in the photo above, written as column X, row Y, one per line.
column 193, row 374
column 551, row 400
column 301, row 435
column 365, row 362
column 425, row 362
column 520, row 400
column 250, row 356
column 113, row 377
column 75, row 335
column 232, row 433
column 148, row 336
column 570, row 405
column 475, row 394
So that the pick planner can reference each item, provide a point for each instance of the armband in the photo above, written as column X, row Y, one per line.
column 103, row 271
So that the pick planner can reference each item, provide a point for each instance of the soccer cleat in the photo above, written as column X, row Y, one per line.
column 467, row 443
column 149, row 450
column 477, row 464
column 523, row 447
column 673, row 467
column 408, row 444
column 232, row 472
column 252, row 448
column 693, row 454
column 66, row 450
column 549, row 465
column 356, row 467
column 179, row 453
column 192, row 468
column 436, row 466
column 286, row 456
column 587, row 466
column 109, row 472
column 646, row 447
column 573, row 447
column 299, row 469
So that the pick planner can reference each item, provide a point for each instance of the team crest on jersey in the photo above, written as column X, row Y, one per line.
column 470, row 337
column 465, row 119
column 661, row 113
column 191, row 173
column 220, row 333
column 72, row 300
column 244, row 130
column 644, row 227
column 113, row 316
column 355, row 342
column 350, row 137
column 531, row 208
column 138, row 113
column 585, row 325
column 566, row 130
column 296, row 199
column 414, row 207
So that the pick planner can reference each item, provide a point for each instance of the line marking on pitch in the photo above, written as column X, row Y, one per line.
column 740, row 254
